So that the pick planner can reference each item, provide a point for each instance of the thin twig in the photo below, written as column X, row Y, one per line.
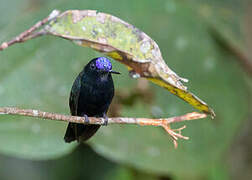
column 30, row 33
column 164, row 122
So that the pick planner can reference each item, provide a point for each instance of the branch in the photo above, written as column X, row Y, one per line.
column 30, row 33
column 164, row 122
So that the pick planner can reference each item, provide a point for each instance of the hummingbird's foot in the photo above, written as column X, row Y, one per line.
column 105, row 120
column 86, row 119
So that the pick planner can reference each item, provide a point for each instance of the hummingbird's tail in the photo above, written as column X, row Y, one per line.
column 80, row 132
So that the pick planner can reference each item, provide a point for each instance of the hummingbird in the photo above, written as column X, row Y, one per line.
column 91, row 95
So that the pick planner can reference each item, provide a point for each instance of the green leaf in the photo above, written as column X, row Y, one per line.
column 35, row 82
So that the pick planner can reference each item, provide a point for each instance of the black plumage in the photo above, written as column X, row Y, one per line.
column 91, row 95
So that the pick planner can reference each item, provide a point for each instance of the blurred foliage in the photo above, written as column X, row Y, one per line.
column 82, row 158
column 39, row 74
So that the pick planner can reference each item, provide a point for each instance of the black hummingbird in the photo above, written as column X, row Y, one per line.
column 91, row 95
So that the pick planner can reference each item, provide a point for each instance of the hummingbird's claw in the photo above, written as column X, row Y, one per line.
column 86, row 119
column 106, row 120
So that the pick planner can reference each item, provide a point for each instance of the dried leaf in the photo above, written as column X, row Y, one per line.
column 125, row 43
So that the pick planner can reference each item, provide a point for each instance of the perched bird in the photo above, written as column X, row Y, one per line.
column 91, row 95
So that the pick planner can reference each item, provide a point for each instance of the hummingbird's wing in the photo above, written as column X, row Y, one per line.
column 71, row 132
column 74, row 95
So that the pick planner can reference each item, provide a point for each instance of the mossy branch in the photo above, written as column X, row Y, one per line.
column 163, row 122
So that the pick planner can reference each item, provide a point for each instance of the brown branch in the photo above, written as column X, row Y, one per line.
column 30, row 33
column 164, row 122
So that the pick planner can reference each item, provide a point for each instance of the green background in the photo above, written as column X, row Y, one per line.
column 39, row 74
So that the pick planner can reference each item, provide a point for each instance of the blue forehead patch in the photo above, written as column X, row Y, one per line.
column 103, row 63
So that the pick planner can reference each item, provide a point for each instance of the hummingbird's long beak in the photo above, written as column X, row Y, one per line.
column 114, row 72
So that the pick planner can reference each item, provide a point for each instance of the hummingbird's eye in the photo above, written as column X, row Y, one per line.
column 92, row 66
